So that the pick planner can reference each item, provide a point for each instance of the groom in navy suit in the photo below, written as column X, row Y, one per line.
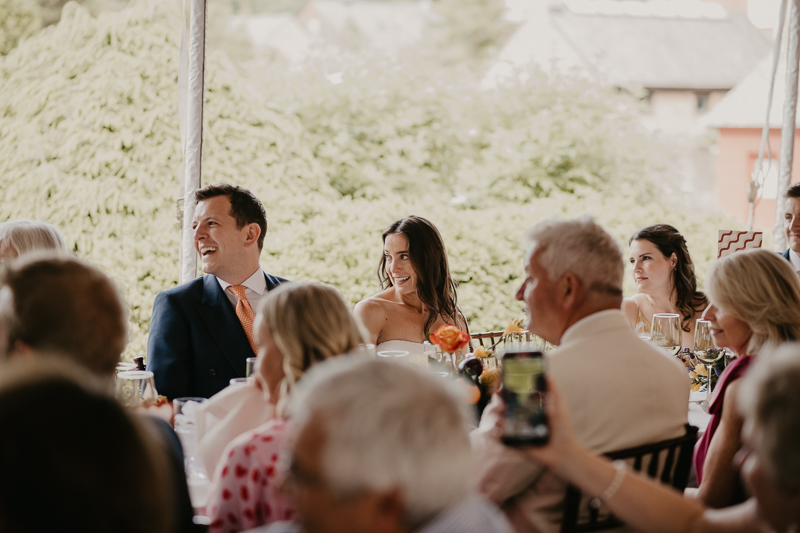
column 791, row 224
column 201, row 332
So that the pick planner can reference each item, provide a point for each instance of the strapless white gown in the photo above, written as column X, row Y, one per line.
column 406, row 346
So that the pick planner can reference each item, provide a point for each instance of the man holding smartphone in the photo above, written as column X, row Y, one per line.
column 620, row 391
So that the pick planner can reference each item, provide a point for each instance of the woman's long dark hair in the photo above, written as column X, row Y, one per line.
column 669, row 241
column 435, row 287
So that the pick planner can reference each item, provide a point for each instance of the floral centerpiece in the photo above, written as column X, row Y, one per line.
column 450, row 340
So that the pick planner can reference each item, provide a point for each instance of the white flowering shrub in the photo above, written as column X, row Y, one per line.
column 89, row 141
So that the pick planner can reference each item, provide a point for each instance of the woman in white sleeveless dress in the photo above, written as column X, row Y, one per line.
column 418, row 293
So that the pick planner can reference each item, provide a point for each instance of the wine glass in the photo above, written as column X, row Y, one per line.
column 665, row 332
column 705, row 350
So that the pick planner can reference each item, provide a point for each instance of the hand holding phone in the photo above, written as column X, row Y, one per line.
column 524, row 391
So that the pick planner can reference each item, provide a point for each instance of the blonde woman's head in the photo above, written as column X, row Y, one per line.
column 299, row 325
column 757, row 290
column 18, row 237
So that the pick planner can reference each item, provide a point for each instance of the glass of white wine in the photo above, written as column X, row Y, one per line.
column 705, row 350
column 665, row 332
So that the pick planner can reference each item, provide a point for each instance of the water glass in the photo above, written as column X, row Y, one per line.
column 665, row 332
column 368, row 350
column 252, row 364
column 136, row 388
column 197, row 479
column 400, row 356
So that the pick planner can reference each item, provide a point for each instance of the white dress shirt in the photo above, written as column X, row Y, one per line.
column 620, row 392
column 795, row 260
column 256, row 288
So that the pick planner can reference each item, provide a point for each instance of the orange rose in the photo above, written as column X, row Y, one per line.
column 449, row 338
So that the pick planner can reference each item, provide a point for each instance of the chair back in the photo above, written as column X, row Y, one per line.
column 669, row 461
column 487, row 338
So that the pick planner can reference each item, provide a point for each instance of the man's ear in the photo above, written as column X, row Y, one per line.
column 570, row 290
column 253, row 233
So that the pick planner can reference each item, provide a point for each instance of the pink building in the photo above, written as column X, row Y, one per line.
column 739, row 117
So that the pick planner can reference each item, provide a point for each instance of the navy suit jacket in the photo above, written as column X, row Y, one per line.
column 197, row 344
column 786, row 255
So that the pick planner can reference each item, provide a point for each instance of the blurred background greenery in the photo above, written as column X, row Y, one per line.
column 336, row 150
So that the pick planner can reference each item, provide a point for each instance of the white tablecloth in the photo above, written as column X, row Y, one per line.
column 698, row 417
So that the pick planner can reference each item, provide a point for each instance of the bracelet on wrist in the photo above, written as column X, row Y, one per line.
column 619, row 476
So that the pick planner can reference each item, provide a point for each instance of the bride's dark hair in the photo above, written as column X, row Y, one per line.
column 669, row 241
column 435, row 287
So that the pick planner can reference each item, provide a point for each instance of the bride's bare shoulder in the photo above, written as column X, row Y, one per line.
column 374, row 304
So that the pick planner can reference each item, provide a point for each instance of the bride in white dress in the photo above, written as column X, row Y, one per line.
column 418, row 293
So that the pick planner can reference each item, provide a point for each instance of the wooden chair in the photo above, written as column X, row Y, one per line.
column 669, row 461
column 487, row 337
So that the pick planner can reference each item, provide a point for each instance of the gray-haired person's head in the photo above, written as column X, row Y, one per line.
column 769, row 399
column 18, row 237
column 582, row 247
column 388, row 427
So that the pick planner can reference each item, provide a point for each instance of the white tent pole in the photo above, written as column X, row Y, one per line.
column 758, row 176
column 789, row 122
column 191, row 84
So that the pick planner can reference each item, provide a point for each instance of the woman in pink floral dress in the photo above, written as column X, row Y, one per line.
column 297, row 326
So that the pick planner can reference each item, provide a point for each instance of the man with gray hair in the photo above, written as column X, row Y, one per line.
column 383, row 447
column 620, row 391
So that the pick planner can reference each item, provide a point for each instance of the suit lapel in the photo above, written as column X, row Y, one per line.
column 219, row 317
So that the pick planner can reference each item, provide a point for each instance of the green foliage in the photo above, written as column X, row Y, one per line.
column 18, row 19
column 89, row 141
column 469, row 30
column 407, row 126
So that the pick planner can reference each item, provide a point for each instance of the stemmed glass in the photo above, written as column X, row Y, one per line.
column 705, row 350
column 665, row 332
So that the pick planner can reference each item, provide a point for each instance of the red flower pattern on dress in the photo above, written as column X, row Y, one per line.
column 251, row 495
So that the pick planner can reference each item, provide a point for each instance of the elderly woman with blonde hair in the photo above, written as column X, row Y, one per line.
column 755, row 303
column 18, row 237
column 298, row 325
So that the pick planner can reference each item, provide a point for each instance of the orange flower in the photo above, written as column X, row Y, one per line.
column 449, row 338
column 480, row 351
column 513, row 327
column 490, row 377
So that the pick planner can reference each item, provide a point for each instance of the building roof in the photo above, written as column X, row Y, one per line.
column 650, row 43
column 745, row 106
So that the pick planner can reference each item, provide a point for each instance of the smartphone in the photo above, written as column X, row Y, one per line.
column 523, row 392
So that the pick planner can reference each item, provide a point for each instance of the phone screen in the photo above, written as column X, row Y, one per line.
column 523, row 392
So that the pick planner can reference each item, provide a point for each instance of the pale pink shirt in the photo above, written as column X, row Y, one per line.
column 228, row 414
column 244, row 491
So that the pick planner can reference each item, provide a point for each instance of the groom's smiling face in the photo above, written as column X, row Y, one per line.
column 219, row 242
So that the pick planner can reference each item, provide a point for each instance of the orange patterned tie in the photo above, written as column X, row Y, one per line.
column 245, row 313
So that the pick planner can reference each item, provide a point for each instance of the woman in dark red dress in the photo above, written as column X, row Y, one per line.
column 755, row 302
